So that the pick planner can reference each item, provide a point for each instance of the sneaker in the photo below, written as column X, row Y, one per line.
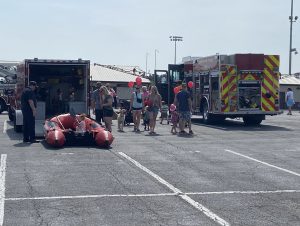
column 138, row 130
column 182, row 132
column 191, row 132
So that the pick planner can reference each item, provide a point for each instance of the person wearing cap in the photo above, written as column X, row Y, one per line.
column 184, row 107
column 28, row 107
column 96, row 104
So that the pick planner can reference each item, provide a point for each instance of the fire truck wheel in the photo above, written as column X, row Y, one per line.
column 252, row 120
column 207, row 118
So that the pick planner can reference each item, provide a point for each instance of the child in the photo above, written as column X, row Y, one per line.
column 174, row 118
column 146, row 118
column 121, row 119
column 164, row 112
column 81, row 128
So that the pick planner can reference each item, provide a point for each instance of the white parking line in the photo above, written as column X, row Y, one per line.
column 2, row 186
column 149, row 195
column 242, row 192
column 189, row 200
column 90, row 196
column 265, row 163
column 5, row 126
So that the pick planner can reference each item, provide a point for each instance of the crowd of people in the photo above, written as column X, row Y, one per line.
column 145, row 105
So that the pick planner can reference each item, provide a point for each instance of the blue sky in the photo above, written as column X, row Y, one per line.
column 122, row 32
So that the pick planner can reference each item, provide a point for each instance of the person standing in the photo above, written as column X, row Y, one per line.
column 137, row 106
column 184, row 103
column 164, row 112
column 96, row 104
column 107, row 104
column 28, row 107
column 174, row 118
column 145, row 95
column 113, row 93
column 154, row 104
column 289, row 99
column 58, row 102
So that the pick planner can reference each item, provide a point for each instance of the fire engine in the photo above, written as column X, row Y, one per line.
column 227, row 86
column 6, row 91
column 7, row 82
column 65, row 78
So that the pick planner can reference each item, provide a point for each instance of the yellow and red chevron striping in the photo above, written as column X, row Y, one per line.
column 229, row 86
column 272, row 61
column 270, row 83
column 250, row 76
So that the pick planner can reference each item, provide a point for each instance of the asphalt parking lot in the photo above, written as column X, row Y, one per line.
column 222, row 175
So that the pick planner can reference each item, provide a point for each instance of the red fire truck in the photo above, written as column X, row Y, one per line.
column 228, row 86
column 54, row 77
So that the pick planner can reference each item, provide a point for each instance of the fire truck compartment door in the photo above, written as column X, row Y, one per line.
column 228, row 88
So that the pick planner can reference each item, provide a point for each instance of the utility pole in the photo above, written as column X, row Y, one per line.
column 146, row 63
column 155, row 51
column 176, row 39
column 291, row 49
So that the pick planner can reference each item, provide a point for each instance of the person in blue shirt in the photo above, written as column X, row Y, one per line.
column 183, row 102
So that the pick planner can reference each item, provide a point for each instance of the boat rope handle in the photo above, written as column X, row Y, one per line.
column 60, row 123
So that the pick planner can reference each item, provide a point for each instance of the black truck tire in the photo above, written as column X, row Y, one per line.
column 211, row 118
column 252, row 120
column 207, row 117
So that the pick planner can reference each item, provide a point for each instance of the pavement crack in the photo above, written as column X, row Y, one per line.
column 40, row 220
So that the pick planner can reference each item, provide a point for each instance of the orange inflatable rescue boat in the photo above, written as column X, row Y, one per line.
column 63, row 130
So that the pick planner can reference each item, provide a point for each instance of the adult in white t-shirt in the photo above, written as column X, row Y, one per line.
column 289, row 99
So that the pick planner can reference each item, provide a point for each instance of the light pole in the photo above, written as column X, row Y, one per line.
column 291, row 49
column 155, row 51
column 176, row 39
column 146, row 63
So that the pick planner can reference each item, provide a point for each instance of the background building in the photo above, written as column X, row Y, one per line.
column 118, row 77
column 292, row 82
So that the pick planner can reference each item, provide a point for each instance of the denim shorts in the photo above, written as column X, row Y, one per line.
column 153, row 109
column 290, row 103
column 185, row 115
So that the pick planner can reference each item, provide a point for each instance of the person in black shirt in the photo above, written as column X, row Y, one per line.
column 28, row 107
